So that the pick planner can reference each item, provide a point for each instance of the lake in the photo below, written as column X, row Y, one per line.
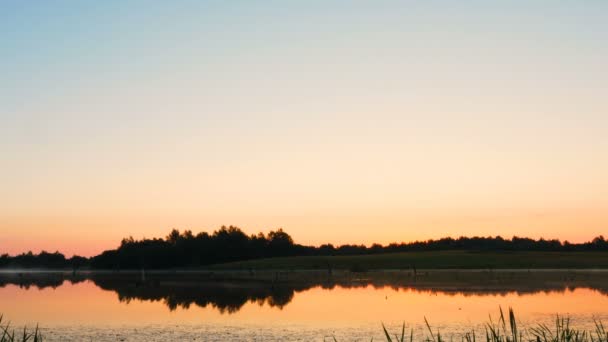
column 285, row 306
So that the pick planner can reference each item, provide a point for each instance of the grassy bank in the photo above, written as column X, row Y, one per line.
column 431, row 260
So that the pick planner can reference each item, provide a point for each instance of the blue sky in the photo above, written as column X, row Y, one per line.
column 427, row 118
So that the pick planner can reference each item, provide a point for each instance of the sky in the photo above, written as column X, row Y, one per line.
column 339, row 121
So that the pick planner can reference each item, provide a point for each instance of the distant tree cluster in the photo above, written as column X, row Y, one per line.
column 185, row 249
column 43, row 260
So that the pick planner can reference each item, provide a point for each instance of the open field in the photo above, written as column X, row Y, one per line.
column 432, row 260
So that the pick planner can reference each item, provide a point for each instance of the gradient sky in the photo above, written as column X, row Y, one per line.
column 340, row 121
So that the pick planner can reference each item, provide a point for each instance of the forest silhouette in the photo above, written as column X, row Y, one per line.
column 229, row 244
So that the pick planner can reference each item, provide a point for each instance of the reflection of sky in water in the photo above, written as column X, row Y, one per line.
column 280, row 309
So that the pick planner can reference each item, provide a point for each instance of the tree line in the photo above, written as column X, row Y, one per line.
column 186, row 249
column 43, row 259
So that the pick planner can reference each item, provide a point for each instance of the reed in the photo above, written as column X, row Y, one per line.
column 507, row 330
column 8, row 334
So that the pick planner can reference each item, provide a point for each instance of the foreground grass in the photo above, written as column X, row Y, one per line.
column 431, row 260
column 501, row 331
column 8, row 335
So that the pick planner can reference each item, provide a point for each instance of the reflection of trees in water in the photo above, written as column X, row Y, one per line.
column 232, row 292
column 39, row 280
column 225, row 297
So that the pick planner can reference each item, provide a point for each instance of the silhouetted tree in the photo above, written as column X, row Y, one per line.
column 231, row 244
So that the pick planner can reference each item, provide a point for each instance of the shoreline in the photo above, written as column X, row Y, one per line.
column 169, row 271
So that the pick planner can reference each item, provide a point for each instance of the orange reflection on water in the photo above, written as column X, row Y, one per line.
column 86, row 304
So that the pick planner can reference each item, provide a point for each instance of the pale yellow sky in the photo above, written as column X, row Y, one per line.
column 372, row 123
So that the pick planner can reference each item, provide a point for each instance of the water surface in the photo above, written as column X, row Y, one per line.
column 289, row 305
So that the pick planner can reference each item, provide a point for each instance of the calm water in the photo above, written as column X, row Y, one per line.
column 289, row 306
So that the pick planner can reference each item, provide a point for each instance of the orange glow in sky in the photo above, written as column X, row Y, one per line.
column 381, row 123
